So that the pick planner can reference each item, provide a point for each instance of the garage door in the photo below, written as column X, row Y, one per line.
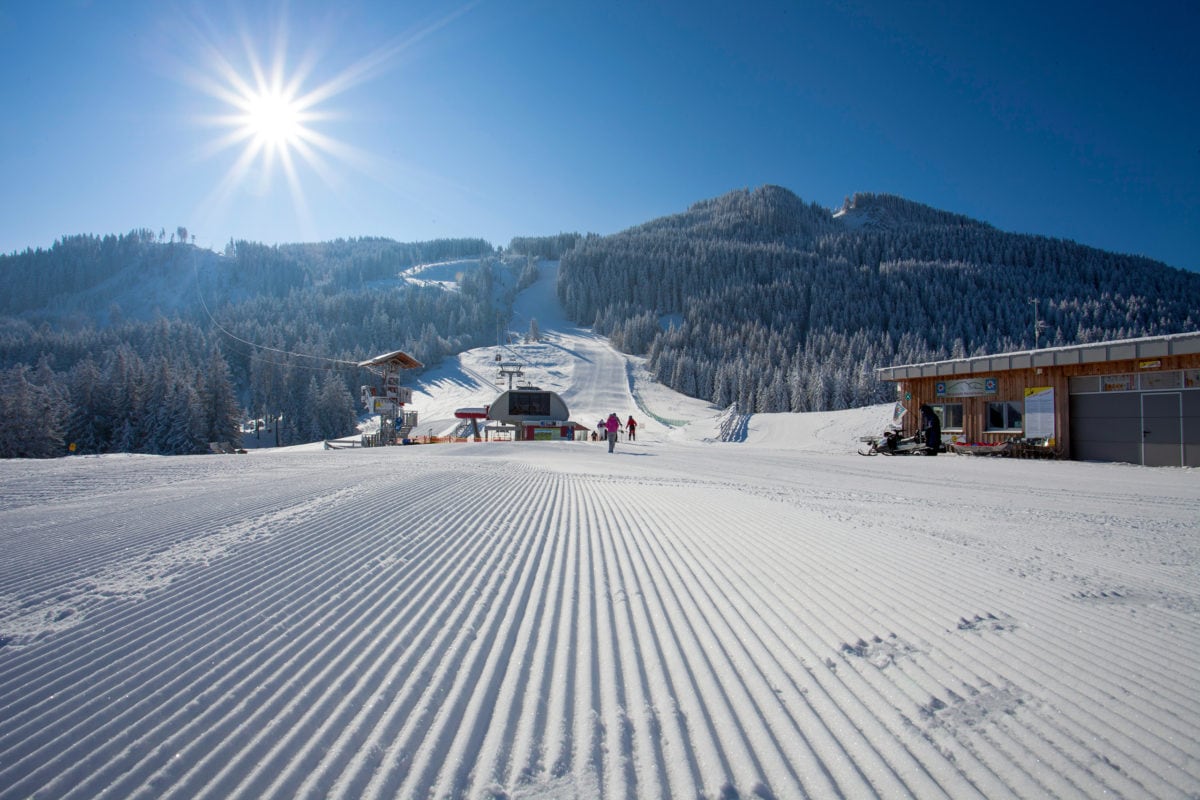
column 1158, row 429
column 1106, row 427
column 1162, row 429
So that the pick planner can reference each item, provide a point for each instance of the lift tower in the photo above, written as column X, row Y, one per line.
column 394, row 422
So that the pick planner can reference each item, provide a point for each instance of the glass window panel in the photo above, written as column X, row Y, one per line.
column 1004, row 416
column 1014, row 420
column 995, row 418
column 1161, row 380
column 951, row 415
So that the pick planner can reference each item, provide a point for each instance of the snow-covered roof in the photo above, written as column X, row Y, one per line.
column 1094, row 352
column 397, row 358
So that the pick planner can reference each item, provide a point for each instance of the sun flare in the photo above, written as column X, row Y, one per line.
column 273, row 119
column 270, row 111
column 271, row 108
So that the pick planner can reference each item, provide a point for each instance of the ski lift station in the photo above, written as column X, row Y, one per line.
column 1134, row 400
column 524, row 413
column 533, row 414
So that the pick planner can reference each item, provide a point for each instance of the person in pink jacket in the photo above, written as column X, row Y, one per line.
column 612, row 425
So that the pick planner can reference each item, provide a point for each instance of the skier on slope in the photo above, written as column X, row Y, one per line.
column 631, row 428
column 611, row 426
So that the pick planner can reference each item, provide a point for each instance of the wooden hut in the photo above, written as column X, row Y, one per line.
column 1135, row 400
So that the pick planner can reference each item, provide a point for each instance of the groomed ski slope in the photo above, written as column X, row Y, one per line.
column 772, row 617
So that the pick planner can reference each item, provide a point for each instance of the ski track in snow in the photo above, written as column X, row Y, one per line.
column 777, row 618
column 427, row 622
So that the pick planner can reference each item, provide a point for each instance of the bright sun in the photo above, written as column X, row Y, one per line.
column 271, row 110
column 268, row 120
column 274, row 119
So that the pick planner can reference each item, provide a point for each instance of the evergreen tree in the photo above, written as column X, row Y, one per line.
column 85, row 422
column 219, row 411
column 334, row 411
column 184, row 414
column 32, row 417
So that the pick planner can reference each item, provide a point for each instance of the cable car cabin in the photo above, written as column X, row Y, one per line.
column 536, row 414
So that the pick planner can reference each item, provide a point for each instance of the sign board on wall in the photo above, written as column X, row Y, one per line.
column 967, row 387
column 1117, row 383
column 1039, row 413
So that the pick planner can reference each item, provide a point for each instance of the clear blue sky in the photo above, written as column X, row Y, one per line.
column 529, row 117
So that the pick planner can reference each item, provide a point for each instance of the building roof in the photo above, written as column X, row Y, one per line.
column 397, row 358
column 1147, row 347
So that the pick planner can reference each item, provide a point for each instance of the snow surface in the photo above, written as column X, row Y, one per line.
column 727, row 607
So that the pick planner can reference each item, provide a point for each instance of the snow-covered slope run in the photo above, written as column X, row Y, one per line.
column 773, row 618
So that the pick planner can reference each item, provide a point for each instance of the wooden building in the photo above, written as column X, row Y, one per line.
column 1135, row 400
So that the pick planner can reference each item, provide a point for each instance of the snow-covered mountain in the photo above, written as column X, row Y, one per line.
column 771, row 617
column 787, row 307
column 117, row 344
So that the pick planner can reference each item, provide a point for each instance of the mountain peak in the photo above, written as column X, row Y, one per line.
column 765, row 213
column 870, row 211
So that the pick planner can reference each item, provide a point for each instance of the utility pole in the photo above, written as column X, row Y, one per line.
column 1037, row 323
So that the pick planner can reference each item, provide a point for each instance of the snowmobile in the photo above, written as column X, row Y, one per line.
column 893, row 443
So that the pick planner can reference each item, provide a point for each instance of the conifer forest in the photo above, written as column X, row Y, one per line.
column 145, row 343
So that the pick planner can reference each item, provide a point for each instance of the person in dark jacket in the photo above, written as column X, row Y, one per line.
column 631, row 428
column 932, row 426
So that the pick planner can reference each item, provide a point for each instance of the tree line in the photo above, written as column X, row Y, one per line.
column 140, row 343
column 758, row 298
column 270, row 334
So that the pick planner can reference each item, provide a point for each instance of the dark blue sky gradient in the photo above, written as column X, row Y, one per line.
column 501, row 119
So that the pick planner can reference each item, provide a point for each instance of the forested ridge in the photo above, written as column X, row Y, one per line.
column 758, row 298
column 145, row 343
column 135, row 343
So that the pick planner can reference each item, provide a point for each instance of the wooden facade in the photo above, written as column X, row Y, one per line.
column 1123, row 396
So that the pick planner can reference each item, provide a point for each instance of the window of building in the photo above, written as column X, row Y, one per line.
column 1160, row 380
column 1004, row 416
column 951, row 415
column 529, row 404
column 1082, row 384
column 1118, row 383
